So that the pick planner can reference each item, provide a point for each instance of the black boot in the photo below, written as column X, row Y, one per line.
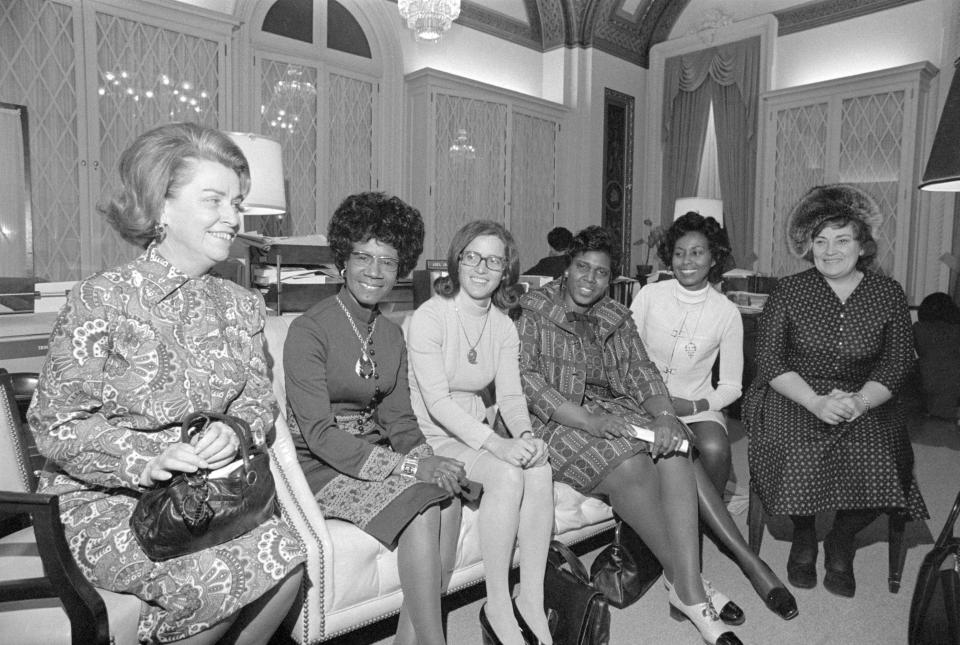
column 802, row 563
column 839, row 547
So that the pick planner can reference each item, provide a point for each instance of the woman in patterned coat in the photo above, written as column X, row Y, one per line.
column 348, row 405
column 138, row 347
column 826, row 429
column 588, row 380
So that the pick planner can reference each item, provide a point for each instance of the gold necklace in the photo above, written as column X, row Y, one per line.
column 472, row 352
column 366, row 367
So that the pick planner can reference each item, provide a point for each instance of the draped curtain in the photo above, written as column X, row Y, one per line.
column 728, row 76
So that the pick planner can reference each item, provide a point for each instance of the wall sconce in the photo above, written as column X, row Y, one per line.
column 706, row 207
column 943, row 167
column 265, row 157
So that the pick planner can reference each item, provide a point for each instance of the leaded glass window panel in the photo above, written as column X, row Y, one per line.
column 533, row 185
column 469, row 183
column 146, row 75
column 38, row 68
column 351, row 167
column 288, row 113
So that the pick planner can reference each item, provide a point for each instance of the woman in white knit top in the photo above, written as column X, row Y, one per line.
column 685, row 323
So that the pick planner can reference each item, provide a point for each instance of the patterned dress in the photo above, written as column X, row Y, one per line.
column 350, row 433
column 595, row 360
column 799, row 464
column 135, row 348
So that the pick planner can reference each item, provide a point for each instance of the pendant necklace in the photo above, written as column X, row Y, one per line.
column 472, row 352
column 366, row 367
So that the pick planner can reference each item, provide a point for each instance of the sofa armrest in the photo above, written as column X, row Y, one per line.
column 303, row 514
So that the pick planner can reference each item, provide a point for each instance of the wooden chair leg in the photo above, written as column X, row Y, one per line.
column 756, row 520
column 896, row 523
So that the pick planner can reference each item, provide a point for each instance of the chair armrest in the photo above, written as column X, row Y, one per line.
column 302, row 513
column 63, row 579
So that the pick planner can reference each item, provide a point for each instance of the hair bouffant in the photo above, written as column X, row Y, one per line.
column 597, row 238
column 154, row 168
column 693, row 222
column 376, row 216
column 508, row 292
column 559, row 238
column 834, row 205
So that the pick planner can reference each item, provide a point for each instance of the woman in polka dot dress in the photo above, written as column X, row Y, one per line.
column 826, row 428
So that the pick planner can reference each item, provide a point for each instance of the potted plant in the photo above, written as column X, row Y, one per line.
column 652, row 237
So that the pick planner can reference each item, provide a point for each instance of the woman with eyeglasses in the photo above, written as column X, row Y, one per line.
column 348, row 407
column 589, row 381
column 462, row 343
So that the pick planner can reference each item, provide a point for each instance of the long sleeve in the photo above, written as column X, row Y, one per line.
column 256, row 404
column 397, row 416
column 510, row 398
column 71, row 417
column 897, row 354
column 426, row 344
column 542, row 399
column 305, row 359
column 772, row 340
column 730, row 381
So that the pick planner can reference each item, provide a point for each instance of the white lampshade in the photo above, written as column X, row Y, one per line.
column 706, row 207
column 265, row 157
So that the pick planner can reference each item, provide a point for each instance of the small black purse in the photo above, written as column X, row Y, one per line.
column 626, row 569
column 583, row 614
column 935, row 606
column 193, row 511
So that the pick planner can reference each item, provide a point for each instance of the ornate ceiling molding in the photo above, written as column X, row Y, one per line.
column 826, row 12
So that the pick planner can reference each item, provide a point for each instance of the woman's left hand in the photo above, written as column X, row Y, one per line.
column 540, row 452
column 669, row 435
column 217, row 445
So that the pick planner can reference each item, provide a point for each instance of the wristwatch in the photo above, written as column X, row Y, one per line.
column 409, row 467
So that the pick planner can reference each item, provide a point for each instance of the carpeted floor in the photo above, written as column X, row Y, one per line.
column 875, row 616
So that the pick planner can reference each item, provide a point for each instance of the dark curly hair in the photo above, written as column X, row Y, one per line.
column 380, row 217
column 559, row 238
column 938, row 306
column 508, row 292
column 693, row 222
column 156, row 166
column 597, row 238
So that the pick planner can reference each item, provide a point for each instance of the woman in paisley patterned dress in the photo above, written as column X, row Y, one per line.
column 138, row 347
column 348, row 406
column 588, row 379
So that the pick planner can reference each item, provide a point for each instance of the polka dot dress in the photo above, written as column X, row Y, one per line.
column 799, row 464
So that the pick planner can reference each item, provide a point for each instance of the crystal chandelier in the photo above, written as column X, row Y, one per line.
column 429, row 18
column 461, row 146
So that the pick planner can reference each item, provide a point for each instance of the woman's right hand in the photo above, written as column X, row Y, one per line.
column 832, row 409
column 517, row 452
column 442, row 471
column 175, row 458
column 608, row 426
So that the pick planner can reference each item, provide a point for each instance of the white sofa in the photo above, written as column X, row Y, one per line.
column 351, row 579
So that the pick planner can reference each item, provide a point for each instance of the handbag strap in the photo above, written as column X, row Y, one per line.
column 568, row 556
column 947, row 532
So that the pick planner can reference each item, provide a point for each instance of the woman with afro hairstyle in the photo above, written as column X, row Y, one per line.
column 348, row 406
column 685, row 324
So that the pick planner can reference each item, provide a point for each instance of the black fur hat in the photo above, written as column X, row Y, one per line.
column 822, row 203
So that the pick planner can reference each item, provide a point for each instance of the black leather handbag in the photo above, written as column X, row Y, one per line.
column 583, row 614
column 626, row 569
column 935, row 606
column 193, row 511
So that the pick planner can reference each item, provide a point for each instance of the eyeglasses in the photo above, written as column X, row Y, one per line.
column 584, row 267
column 391, row 265
column 493, row 262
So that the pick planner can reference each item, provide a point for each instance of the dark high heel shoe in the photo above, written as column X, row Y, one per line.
column 486, row 629
column 528, row 636
column 781, row 602
column 838, row 555
column 704, row 617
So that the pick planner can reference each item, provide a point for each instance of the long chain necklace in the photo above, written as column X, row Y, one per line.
column 472, row 352
column 690, row 347
column 366, row 367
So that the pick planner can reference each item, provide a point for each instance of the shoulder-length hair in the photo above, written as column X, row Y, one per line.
column 508, row 292
column 381, row 217
column 717, row 240
column 600, row 239
column 154, row 168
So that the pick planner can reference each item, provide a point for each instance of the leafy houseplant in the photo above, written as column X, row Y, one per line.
column 652, row 238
